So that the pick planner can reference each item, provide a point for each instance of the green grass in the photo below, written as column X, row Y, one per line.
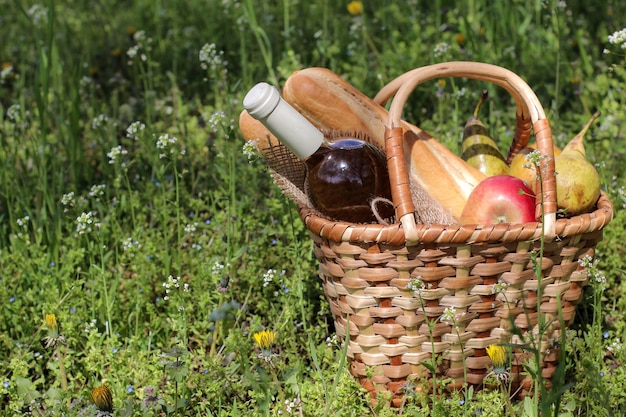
column 97, row 223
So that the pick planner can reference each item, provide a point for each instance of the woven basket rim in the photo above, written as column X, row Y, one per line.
column 456, row 234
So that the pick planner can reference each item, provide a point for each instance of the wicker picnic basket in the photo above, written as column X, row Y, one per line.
column 365, row 268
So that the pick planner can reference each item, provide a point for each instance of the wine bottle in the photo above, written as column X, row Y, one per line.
column 344, row 173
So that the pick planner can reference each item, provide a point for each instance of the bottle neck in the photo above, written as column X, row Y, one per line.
column 264, row 103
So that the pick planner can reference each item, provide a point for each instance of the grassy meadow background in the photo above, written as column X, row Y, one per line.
column 132, row 211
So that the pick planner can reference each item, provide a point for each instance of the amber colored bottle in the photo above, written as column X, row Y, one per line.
column 344, row 174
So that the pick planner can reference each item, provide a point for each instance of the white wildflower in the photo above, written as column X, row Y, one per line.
column 534, row 158
column 211, row 58
column 332, row 340
column 291, row 405
column 449, row 315
column 90, row 326
column 99, row 121
column 217, row 268
column 215, row 120
column 616, row 345
column 97, row 191
column 593, row 272
column 171, row 284
column 586, row 261
column 618, row 37
column 166, row 143
column 190, row 228
column 115, row 152
column 130, row 244
column 38, row 13
column 499, row 287
column 460, row 93
column 132, row 51
column 85, row 82
column 133, row 130
column 141, row 38
column 14, row 112
column 86, row 222
column 441, row 49
column 68, row 200
column 416, row 285
column 250, row 150
column 268, row 277
column 23, row 222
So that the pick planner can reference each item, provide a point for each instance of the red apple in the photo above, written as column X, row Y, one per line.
column 499, row 199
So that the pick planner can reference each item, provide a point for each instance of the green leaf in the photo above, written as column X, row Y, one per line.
column 127, row 409
column 182, row 403
column 26, row 389
column 177, row 370
column 430, row 366
column 530, row 410
column 54, row 393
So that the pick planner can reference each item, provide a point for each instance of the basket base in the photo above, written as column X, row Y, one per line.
column 399, row 307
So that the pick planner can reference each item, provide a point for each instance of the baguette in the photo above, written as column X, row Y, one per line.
column 329, row 102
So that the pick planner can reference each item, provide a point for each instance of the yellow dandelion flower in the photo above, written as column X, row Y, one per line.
column 355, row 8
column 265, row 339
column 499, row 359
column 460, row 39
column 51, row 322
column 54, row 337
column 102, row 398
column 497, row 354
column 441, row 82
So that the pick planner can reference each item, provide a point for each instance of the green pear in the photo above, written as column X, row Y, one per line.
column 577, row 181
column 477, row 147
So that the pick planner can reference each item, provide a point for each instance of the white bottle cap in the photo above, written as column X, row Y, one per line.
column 264, row 103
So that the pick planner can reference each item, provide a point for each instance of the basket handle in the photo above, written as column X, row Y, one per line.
column 529, row 112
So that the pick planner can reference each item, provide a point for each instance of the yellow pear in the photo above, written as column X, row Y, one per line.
column 527, row 173
column 577, row 181
column 522, row 169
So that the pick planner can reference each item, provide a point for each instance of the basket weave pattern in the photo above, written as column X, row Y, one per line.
column 384, row 321
column 486, row 273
